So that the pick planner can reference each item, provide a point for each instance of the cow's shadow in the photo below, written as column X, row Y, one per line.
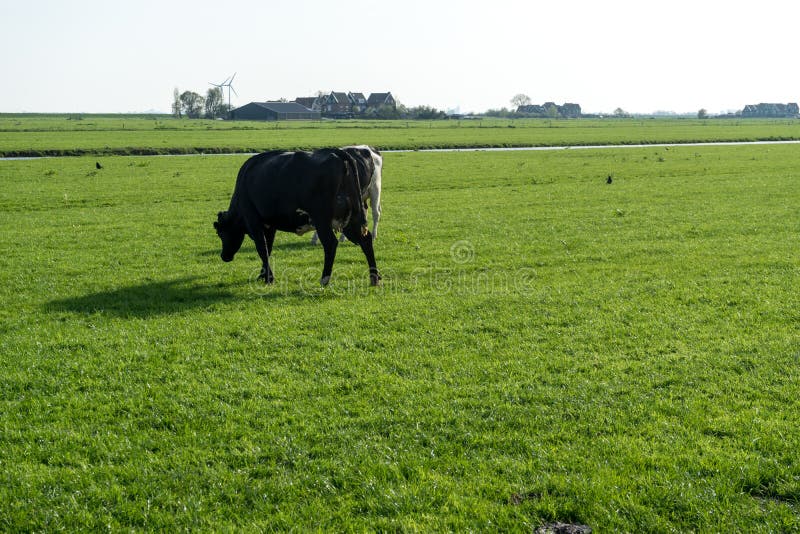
column 148, row 299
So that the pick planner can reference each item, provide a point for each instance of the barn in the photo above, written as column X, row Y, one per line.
column 273, row 111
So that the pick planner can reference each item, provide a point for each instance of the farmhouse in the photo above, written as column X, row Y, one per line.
column 273, row 111
column 377, row 100
column 359, row 102
column 310, row 102
column 337, row 105
column 551, row 110
column 771, row 110
column 570, row 111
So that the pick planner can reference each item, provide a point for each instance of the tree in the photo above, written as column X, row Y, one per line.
column 215, row 103
column 621, row 113
column 426, row 113
column 521, row 100
column 503, row 113
column 385, row 112
column 702, row 114
column 192, row 104
column 176, row 104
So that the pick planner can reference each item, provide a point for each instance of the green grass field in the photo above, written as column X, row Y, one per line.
column 127, row 135
column 545, row 347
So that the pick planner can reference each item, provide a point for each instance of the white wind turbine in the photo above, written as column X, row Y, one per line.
column 227, row 83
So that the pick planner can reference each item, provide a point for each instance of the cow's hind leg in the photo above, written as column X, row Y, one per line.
column 365, row 241
column 375, row 201
column 329, row 244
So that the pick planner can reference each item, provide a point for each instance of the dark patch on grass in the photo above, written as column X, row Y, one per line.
column 517, row 499
column 295, row 244
column 718, row 433
column 774, row 490
column 146, row 300
column 563, row 528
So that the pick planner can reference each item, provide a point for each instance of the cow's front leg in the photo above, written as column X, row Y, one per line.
column 365, row 241
column 329, row 244
column 260, row 239
column 269, row 233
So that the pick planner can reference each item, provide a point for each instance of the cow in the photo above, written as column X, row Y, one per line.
column 298, row 192
column 363, row 154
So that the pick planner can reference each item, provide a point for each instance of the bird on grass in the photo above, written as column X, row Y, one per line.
column 97, row 165
column 609, row 180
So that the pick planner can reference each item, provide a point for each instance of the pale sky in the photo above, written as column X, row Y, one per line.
column 643, row 56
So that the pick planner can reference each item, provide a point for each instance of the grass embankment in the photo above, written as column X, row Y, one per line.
column 545, row 347
column 65, row 136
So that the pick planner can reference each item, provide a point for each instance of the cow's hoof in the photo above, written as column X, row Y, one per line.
column 375, row 280
column 267, row 277
column 325, row 280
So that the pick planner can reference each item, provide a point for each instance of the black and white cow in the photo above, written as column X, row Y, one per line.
column 297, row 192
column 363, row 154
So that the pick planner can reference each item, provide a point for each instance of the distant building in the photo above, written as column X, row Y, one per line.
column 551, row 110
column 377, row 100
column 358, row 101
column 337, row 105
column 570, row 111
column 341, row 105
column 764, row 110
column 532, row 109
column 273, row 111
column 311, row 102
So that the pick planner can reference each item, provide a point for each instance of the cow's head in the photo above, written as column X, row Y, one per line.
column 230, row 233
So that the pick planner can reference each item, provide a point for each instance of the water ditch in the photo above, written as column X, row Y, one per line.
column 464, row 149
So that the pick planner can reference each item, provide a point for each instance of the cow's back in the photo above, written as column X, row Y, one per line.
column 277, row 185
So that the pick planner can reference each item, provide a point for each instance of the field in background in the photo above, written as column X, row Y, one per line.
column 126, row 135
column 546, row 347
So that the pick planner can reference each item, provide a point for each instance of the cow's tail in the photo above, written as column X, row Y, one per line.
column 353, row 186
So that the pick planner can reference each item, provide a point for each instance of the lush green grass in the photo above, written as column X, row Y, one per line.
column 125, row 135
column 545, row 347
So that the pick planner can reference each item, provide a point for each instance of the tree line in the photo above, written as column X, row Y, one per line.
column 194, row 106
column 212, row 106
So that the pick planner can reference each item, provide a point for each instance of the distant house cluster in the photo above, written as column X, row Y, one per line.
column 342, row 105
column 551, row 110
column 335, row 105
column 790, row 110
